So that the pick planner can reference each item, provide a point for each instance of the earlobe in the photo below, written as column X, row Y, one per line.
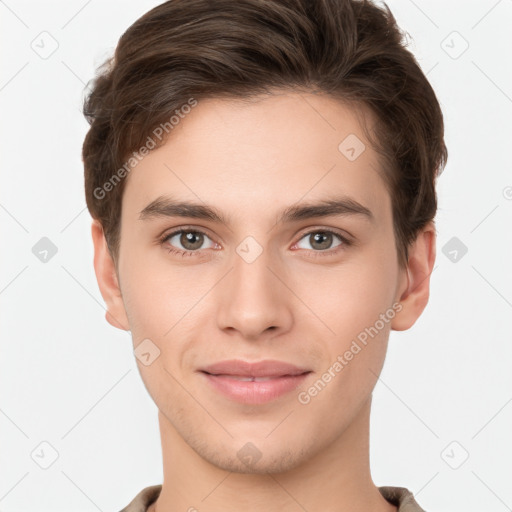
column 415, row 294
column 106, row 277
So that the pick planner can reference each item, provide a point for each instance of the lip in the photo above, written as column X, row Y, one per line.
column 266, row 368
column 279, row 378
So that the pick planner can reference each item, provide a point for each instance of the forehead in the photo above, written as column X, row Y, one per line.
column 261, row 155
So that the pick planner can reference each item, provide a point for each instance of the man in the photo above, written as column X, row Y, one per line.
column 261, row 175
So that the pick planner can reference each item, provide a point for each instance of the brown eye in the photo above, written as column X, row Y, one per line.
column 191, row 240
column 321, row 240
column 187, row 240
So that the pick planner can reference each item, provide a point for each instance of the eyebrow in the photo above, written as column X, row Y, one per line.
column 166, row 206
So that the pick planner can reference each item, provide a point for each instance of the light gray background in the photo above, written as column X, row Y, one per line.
column 70, row 379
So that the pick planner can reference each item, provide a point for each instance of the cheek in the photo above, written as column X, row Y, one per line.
column 162, row 300
column 351, row 297
column 355, row 302
column 149, row 297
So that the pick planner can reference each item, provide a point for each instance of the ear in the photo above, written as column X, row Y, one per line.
column 414, row 290
column 107, row 279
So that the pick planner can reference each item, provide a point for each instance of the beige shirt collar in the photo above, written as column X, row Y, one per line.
column 399, row 496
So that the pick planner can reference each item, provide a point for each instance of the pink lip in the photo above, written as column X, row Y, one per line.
column 266, row 368
column 254, row 392
column 283, row 378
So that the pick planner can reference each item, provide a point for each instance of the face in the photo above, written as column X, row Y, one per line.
column 317, row 289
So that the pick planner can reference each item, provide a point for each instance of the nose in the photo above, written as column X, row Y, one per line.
column 252, row 300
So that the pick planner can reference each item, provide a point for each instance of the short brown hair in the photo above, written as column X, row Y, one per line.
column 352, row 50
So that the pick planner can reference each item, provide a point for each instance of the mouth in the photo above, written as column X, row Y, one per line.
column 247, row 389
column 244, row 378
column 268, row 368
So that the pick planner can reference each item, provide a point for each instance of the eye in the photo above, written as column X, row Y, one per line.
column 190, row 242
column 321, row 240
column 186, row 241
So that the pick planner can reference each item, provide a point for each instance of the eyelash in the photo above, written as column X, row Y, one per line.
column 329, row 252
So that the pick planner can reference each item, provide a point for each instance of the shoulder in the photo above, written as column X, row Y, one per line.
column 143, row 499
column 401, row 497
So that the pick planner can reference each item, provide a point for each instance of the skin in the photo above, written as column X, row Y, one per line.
column 251, row 161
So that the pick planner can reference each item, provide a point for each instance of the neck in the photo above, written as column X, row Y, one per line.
column 335, row 478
